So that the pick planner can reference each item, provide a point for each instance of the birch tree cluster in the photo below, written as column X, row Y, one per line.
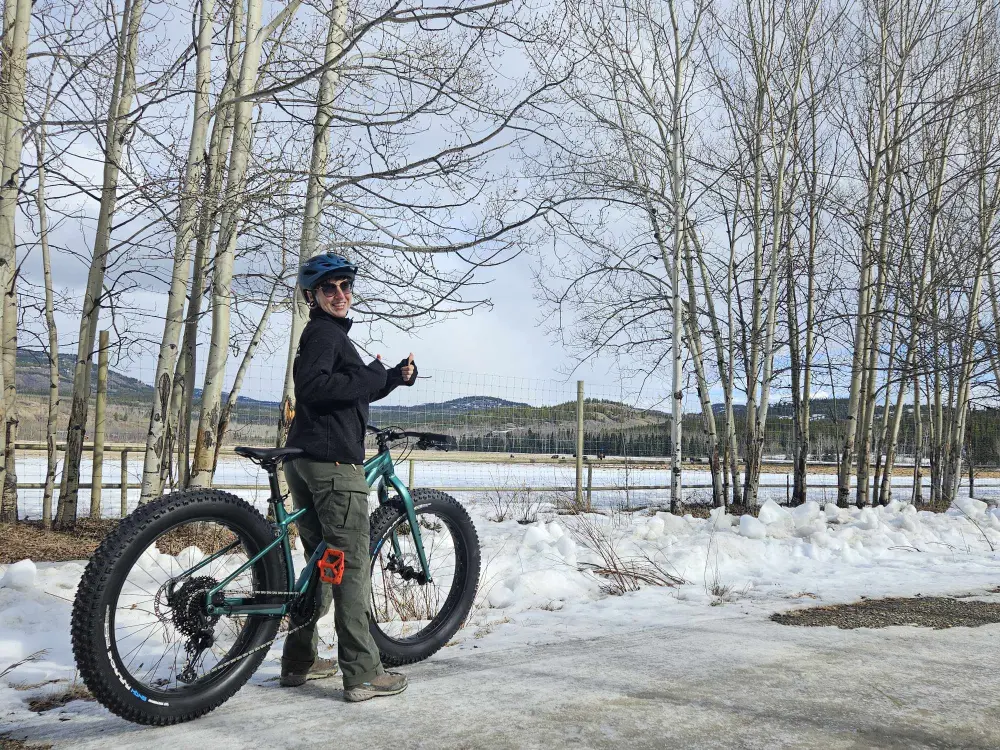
column 757, row 202
column 167, row 166
column 809, row 189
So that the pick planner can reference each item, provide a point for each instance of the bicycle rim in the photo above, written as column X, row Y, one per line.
column 160, row 631
column 407, row 610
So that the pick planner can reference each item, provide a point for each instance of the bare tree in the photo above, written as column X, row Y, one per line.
column 120, row 103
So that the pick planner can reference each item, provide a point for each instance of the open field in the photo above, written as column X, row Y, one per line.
column 441, row 470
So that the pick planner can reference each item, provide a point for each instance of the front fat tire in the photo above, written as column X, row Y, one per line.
column 98, row 661
column 396, row 653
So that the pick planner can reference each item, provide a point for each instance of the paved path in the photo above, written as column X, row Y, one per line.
column 730, row 682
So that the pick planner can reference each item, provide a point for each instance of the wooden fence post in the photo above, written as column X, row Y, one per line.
column 124, row 482
column 100, row 410
column 409, row 482
column 579, row 444
column 590, row 484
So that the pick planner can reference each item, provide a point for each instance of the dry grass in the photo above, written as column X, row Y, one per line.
column 28, row 539
column 12, row 743
column 622, row 574
column 59, row 698
column 36, row 656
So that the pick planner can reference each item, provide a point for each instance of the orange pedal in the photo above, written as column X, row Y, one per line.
column 331, row 566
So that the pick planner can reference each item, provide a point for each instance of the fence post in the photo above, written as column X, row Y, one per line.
column 124, row 481
column 590, row 484
column 409, row 482
column 579, row 443
column 97, row 466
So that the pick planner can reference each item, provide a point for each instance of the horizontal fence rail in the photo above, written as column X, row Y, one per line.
column 590, row 464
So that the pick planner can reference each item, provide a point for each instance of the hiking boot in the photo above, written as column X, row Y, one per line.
column 389, row 683
column 295, row 676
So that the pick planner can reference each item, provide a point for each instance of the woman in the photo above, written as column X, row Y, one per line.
column 333, row 387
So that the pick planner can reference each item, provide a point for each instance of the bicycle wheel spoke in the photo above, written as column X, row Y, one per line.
column 162, row 629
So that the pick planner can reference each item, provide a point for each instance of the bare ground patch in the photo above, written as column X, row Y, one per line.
column 59, row 698
column 12, row 743
column 28, row 539
column 936, row 612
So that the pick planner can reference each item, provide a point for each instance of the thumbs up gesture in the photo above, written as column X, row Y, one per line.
column 408, row 370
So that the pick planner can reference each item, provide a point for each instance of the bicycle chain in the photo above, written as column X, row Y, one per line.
column 254, row 650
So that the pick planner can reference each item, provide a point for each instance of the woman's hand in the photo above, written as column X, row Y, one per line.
column 408, row 370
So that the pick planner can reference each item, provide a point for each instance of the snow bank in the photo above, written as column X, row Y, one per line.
column 834, row 554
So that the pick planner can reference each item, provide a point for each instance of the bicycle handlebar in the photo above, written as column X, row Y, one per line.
column 425, row 440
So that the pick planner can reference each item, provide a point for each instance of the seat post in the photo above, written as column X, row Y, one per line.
column 272, row 479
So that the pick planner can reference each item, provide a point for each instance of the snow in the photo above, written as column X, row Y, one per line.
column 752, row 528
column 21, row 575
column 536, row 587
column 236, row 471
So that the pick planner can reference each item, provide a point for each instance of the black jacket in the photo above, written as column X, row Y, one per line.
column 333, row 388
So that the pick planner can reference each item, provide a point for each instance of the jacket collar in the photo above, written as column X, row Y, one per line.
column 317, row 313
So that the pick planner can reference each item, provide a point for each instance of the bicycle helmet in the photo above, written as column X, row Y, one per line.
column 321, row 267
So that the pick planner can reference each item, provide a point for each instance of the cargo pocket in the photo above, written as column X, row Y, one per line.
column 350, row 496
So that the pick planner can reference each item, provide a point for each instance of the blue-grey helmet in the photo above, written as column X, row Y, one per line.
column 326, row 266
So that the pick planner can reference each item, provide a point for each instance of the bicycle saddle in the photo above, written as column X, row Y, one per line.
column 269, row 455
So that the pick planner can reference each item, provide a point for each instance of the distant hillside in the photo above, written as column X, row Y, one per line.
column 819, row 408
column 455, row 406
column 33, row 379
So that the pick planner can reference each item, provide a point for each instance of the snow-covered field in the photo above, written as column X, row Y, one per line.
column 234, row 471
column 535, row 590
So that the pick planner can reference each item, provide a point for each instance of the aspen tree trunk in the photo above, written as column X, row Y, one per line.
column 879, row 445
column 813, row 209
column 309, row 242
column 13, row 74
column 248, row 355
column 795, row 367
column 704, row 394
column 936, row 408
column 122, row 92
column 729, row 436
column 678, row 199
column 988, row 206
column 157, row 444
column 734, row 460
column 51, row 423
column 211, row 399
column 873, row 183
column 917, row 494
column 182, row 399
column 906, row 371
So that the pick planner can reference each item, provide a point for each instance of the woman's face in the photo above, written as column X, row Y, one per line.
column 334, row 296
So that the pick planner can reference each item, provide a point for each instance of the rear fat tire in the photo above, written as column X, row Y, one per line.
column 467, row 565
column 96, row 655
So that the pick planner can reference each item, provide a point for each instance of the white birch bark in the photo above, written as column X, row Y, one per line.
column 13, row 73
column 123, row 90
column 157, row 445
column 309, row 242
column 211, row 405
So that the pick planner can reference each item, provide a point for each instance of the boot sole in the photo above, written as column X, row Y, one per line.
column 300, row 680
column 356, row 695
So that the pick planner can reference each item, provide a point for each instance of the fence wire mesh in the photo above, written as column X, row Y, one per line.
column 513, row 435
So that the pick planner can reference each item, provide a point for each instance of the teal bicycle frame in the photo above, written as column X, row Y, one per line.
column 380, row 473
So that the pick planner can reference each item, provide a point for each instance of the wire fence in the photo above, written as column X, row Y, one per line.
column 512, row 435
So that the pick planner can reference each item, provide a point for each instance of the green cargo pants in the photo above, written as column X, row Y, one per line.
column 335, row 497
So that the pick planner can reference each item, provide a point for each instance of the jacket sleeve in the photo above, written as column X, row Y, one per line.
column 394, row 379
column 325, row 376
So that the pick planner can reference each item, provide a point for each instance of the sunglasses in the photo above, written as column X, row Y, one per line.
column 330, row 288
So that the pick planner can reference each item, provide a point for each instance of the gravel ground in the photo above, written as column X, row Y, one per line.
column 927, row 612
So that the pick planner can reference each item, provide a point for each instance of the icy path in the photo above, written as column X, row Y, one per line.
column 717, row 679
column 548, row 660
